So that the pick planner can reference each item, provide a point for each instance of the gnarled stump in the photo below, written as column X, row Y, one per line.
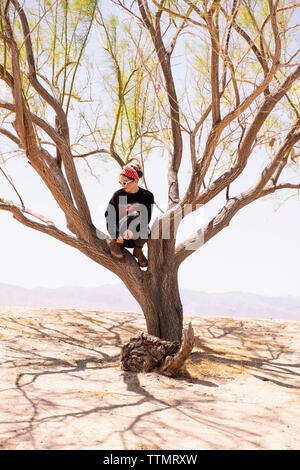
column 145, row 353
column 174, row 365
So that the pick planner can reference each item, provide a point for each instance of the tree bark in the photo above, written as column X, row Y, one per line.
column 174, row 365
column 165, row 346
column 145, row 353
column 161, row 301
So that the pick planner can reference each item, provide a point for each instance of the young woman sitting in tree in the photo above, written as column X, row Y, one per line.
column 128, row 214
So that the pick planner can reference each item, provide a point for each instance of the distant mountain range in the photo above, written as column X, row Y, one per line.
column 117, row 298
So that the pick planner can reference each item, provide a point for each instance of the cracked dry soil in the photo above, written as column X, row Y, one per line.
column 62, row 387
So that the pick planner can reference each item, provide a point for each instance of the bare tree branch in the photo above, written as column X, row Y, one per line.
column 250, row 134
column 46, row 227
column 177, row 33
column 272, row 189
column 13, row 186
column 11, row 136
column 98, row 254
column 92, row 152
column 32, row 76
column 61, row 123
column 23, row 118
column 215, row 52
column 164, row 60
column 57, row 139
column 245, row 147
column 178, row 15
column 6, row 77
column 53, row 177
column 233, row 205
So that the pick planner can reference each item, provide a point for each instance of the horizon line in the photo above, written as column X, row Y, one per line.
column 123, row 286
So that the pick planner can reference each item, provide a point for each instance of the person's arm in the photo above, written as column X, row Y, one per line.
column 149, row 205
column 112, row 217
column 148, row 202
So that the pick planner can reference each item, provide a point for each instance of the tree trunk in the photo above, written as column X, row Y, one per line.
column 165, row 346
column 161, row 302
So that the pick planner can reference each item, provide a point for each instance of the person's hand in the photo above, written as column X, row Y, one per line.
column 120, row 240
column 128, row 234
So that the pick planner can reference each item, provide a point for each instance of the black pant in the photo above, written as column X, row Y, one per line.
column 139, row 243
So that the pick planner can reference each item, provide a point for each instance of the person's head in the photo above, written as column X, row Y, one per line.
column 129, row 177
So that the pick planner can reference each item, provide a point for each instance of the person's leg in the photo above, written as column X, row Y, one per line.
column 138, row 252
column 137, row 245
column 115, row 249
column 139, row 242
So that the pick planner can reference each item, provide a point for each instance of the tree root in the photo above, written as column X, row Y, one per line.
column 175, row 365
column 145, row 353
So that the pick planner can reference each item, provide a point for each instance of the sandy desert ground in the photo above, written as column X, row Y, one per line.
column 61, row 385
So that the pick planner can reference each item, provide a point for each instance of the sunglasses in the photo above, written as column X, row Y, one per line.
column 124, row 183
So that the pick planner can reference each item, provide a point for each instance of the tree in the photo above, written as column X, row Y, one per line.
column 239, row 96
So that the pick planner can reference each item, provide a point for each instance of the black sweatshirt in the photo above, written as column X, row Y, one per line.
column 129, row 211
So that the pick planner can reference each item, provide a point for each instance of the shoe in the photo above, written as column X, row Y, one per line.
column 115, row 250
column 138, row 253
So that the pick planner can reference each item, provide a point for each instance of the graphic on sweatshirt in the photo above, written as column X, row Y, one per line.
column 133, row 217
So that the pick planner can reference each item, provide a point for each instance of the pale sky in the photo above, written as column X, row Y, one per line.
column 259, row 252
